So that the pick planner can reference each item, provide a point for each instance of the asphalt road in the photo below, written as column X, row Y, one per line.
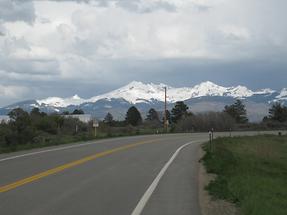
column 150, row 175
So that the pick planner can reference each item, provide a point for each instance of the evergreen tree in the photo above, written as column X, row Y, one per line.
column 278, row 112
column 152, row 115
column 179, row 110
column 78, row 111
column 20, row 114
column 237, row 111
column 36, row 114
column 59, row 121
column 133, row 116
column 21, row 125
column 168, row 116
column 35, row 111
column 109, row 119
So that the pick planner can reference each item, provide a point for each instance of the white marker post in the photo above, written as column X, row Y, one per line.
column 95, row 125
column 210, row 140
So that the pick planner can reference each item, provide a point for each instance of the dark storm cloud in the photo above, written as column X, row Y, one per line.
column 255, row 74
column 174, row 72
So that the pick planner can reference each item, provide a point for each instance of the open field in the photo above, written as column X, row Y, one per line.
column 251, row 172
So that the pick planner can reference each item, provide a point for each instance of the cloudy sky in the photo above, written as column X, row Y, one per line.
column 87, row 47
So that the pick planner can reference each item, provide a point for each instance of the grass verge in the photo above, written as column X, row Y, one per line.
column 251, row 172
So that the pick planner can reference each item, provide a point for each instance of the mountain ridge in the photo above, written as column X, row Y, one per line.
column 137, row 92
column 206, row 96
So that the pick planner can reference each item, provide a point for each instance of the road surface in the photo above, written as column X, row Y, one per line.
column 149, row 175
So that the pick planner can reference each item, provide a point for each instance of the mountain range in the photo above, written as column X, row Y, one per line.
column 206, row 96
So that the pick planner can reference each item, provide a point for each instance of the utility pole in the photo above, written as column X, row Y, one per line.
column 165, row 117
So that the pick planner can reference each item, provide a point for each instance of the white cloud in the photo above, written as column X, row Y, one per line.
column 89, row 40
column 97, row 30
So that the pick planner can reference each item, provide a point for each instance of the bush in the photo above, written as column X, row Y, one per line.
column 47, row 124
column 39, row 129
column 219, row 121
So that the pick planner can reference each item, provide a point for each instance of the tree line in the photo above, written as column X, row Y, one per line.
column 180, row 118
column 235, row 113
column 37, row 128
column 133, row 116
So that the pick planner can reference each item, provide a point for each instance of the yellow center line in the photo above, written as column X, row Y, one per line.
column 61, row 168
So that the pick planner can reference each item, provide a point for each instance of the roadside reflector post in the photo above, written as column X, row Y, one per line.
column 95, row 125
column 76, row 129
column 210, row 140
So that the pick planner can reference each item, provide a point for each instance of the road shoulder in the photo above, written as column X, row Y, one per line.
column 177, row 191
column 209, row 205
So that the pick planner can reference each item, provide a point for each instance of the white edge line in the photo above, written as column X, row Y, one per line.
column 141, row 204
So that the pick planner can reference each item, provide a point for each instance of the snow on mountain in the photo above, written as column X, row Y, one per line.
column 239, row 92
column 207, row 89
column 265, row 91
column 61, row 102
column 177, row 94
column 282, row 95
column 138, row 92
column 135, row 92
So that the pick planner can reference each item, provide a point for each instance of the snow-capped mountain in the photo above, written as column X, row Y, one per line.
column 138, row 92
column 206, row 96
column 282, row 95
column 135, row 92
column 62, row 102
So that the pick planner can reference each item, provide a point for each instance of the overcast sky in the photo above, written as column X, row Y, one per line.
column 87, row 47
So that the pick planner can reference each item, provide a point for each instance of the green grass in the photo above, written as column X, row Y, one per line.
column 251, row 172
